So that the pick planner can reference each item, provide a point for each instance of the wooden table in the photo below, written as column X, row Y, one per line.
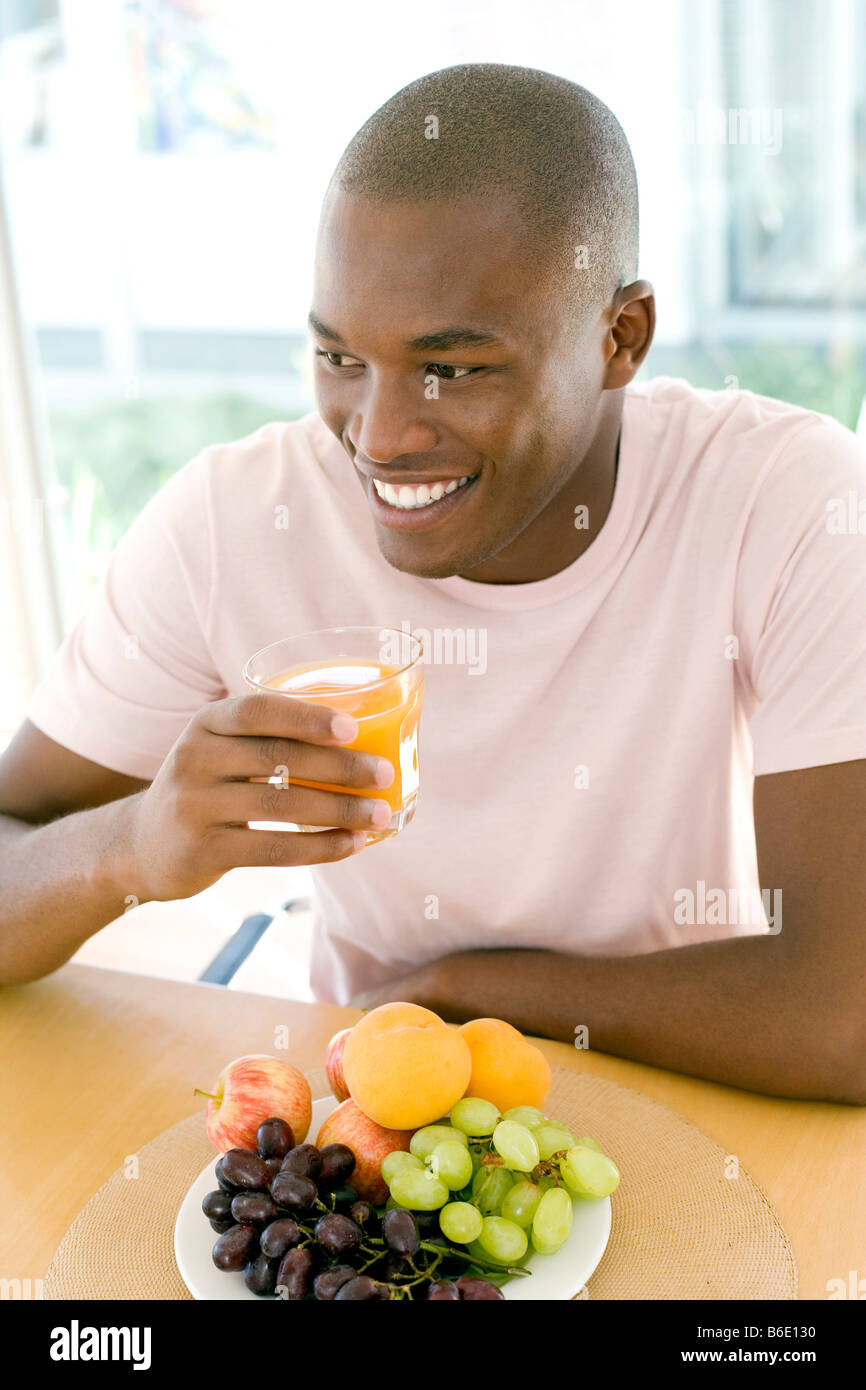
column 97, row 1062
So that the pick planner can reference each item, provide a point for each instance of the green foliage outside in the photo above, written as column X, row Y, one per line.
column 116, row 456
column 832, row 380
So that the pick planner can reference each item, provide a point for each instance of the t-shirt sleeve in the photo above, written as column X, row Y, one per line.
column 135, row 668
column 801, row 603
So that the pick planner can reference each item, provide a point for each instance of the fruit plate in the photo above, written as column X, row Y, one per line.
column 553, row 1276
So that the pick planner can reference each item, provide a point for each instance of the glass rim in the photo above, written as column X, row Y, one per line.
column 321, row 631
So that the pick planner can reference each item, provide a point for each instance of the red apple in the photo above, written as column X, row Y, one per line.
column 334, row 1064
column 369, row 1143
column 252, row 1089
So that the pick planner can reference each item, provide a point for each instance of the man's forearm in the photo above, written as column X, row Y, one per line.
column 746, row 1012
column 59, row 883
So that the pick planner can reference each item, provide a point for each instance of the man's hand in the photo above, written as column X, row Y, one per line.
column 191, row 824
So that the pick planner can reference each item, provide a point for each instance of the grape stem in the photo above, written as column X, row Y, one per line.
column 473, row 1259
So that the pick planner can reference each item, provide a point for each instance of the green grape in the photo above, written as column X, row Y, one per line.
column 587, row 1143
column 452, row 1164
column 424, row 1141
column 477, row 1251
column 551, row 1139
column 396, row 1160
column 547, row 1182
column 503, row 1240
column 473, row 1116
column 524, row 1115
column 552, row 1221
column 588, row 1173
column 520, row 1202
column 419, row 1191
column 516, row 1145
column 489, row 1187
column 461, row 1222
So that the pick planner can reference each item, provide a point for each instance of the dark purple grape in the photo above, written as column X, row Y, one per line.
column 338, row 1235
column 260, row 1275
column 304, row 1159
column 274, row 1138
column 400, row 1231
column 273, row 1166
column 338, row 1162
column 277, row 1238
column 327, row 1284
column 343, row 1197
column 295, row 1275
column 443, row 1290
column 236, row 1247
column 254, row 1208
column 364, row 1215
column 217, row 1206
column 360, row 1289
column 292, row 1191
column 222, row 1226
column 245, row 1169
column 397, row 1268
column 223, row 1181
column 471, row 1287
column 428, row 1223
column 383, row 1293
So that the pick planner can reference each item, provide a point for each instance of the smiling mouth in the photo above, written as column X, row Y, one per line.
column 410, row 497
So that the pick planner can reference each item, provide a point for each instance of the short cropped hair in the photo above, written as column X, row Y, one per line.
column 550, row 143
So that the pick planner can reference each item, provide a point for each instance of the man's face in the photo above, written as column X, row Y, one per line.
column 412, row 408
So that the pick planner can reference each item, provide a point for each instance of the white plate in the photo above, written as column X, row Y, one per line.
column 553, row 1276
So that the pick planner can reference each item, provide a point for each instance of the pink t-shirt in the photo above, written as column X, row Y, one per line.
column 588, row 741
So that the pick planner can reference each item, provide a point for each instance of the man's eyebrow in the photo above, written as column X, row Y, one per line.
column 444, row 340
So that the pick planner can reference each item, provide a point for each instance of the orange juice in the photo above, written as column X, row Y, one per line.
column 386, row 701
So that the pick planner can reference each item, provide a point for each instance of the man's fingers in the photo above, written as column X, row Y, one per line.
column 275, row 716
column 270, row 848
column 291, row 759
column 232, row 803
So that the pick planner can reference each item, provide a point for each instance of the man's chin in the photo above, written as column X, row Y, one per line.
column 424, row 567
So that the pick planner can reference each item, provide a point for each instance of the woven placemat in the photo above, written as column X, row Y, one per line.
column 681, row 1228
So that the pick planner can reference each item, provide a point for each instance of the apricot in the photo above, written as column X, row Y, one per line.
column 506, row 1069
column 404, row 1066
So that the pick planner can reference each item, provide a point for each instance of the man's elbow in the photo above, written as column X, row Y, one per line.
column 15, row 970
column 845, row 1068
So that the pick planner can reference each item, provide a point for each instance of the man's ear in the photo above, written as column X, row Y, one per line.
column 631, row 326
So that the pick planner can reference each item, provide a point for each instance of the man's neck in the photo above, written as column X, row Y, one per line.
column 555, row 540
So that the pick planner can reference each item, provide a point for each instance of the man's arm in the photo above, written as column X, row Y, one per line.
column 783, row 1014
column 79, row 843
column 60, row 876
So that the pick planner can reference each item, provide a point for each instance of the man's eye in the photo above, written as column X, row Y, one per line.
column 322, row 352
column 449, row 367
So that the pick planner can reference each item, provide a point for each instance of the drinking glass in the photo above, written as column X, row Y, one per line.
column 374, row 674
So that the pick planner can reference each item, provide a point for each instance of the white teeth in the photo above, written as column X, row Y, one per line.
column 409, row 496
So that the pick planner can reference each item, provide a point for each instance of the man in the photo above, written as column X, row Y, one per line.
column 644, row 605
